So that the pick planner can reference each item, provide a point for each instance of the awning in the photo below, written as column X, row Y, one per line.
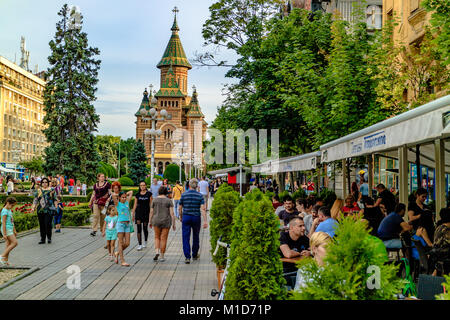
column 2, row 168
column 304, row 162
column 226, row 170
column 421, row 125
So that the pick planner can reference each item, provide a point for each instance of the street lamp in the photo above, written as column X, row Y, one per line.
column 181, row 154
column 152, row 134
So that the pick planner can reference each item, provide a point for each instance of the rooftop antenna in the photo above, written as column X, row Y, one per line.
column 25, row 54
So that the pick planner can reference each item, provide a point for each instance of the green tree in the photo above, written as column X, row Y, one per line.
column 69, row 93
column 225, row 201
column 255, row 271
column 172, row 173
column 138, row 168
column 34, row 165
column 441, row 25
column 348, row 265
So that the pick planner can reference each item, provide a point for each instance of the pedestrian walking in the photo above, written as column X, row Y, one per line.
column 161, row 218
column 191, row 203
column 98, row 200
column 141, row 212
column 78, row 186
column 109, row 229
column 204, row 190
column 176, row 196
column 84, row 188
column 59, row 214
column 8, row 230
column 124, row 226
column 169, row 188
column 44, row 201
column 9, row 186
column 154, row 187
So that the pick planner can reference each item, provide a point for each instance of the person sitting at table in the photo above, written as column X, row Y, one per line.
column 422, row 236
column 391, row 227
column 441, row 243
column 289, row 211
column 351, row 206
column 318, row 244
column 276, row 202
column 310, row 218
column 324, row 222
column 293, row 244
column 336, row 209
column 300, row 205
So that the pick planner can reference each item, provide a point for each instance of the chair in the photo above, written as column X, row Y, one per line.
column 290, row 278
column 429, row 286
column 423, row 258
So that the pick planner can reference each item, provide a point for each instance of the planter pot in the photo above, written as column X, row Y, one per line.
column 219, row 276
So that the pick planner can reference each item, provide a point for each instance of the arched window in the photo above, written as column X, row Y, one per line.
column 165, row 103
column 176, row 104
column 162, row 103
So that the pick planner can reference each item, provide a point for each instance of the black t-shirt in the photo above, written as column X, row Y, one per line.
column 425, row 220
column 143, row 202
column 302, row 243
column 286, row 216
column 388, row 200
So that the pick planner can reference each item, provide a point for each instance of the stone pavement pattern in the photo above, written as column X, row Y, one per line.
column 103, row 279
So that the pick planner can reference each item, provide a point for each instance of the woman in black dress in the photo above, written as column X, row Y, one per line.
column 420, row 215
column 141, row 211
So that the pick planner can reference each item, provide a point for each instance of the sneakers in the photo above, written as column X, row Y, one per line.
column 139, row 248
column 187, row 261
column 58, row 231
column 41, row 242
column 93, row 233
column 196, row 257
column 162, row 259
column 49, row 241
column 156, row 257
column 144, row 245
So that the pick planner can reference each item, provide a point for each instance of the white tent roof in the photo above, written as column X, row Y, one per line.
column 2, row 168
column 421, row 125
column 302, row 162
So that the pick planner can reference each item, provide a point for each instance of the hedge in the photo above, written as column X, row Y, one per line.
column 24, row 198
column 72, row 216
column 125, row 181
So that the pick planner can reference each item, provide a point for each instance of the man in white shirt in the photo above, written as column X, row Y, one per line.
column 154, row 187
column 204, row 190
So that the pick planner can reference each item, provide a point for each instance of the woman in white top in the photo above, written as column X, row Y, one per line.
column 318, row 242
column 10, row 186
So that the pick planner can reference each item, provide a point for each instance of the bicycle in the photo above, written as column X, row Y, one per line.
column 221, row 291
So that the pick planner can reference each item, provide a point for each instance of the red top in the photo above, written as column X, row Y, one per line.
column 348, row 210
column 276, row 205
column 71, row 182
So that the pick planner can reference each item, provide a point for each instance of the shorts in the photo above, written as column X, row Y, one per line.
column 9, row 232
column 58, row 218
column 123, row 227
column 143, row 217
column 111, row 234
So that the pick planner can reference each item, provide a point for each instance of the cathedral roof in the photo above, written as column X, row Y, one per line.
column 194, row 107
column 145, row 104
column 170, row 87
column 174, row 53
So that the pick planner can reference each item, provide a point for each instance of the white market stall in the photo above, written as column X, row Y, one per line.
column 427, row 126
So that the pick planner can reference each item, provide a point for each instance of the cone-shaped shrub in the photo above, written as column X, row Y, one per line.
column 255, row 271
column 225, row 201
column 350, row 268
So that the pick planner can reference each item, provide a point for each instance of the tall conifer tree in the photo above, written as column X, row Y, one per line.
column 70, row 91
column 137, row 167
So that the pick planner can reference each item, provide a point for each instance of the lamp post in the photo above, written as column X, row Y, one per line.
column 181, row 155
column 152, row 134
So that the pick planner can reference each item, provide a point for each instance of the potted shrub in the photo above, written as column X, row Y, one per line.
column 221, row 212
column 350, row 264
column 255, row 271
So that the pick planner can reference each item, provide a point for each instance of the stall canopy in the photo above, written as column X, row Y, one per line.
column 227, row 170
column 302, row 162
column 420, row 126
column 3, row 169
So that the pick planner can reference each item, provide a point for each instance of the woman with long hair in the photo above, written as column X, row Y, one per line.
column 336, row 209
column 102, row 190
column 168, row 187
column 162, row 218
column 141, row 212
column 45, row 202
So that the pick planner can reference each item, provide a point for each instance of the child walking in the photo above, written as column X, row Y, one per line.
column 110, row 227
column 8, row 230
column 124, row 225
column 59, row 214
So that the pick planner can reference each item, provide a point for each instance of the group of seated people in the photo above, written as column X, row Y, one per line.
column 308, row 225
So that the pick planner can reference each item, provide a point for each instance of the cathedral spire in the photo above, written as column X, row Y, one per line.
column 174, row 53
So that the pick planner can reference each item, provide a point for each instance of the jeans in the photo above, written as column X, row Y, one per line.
column 176, row 203
column 393, row 244
column 191, row 222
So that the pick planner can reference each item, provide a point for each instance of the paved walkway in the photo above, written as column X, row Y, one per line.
column 102, row 279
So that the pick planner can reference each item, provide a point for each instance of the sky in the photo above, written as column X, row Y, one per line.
column 131, row 36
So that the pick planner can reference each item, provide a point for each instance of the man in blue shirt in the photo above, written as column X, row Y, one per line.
column 191, row 202
column 154, row 187
column 391, row 227
column 324, row 222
